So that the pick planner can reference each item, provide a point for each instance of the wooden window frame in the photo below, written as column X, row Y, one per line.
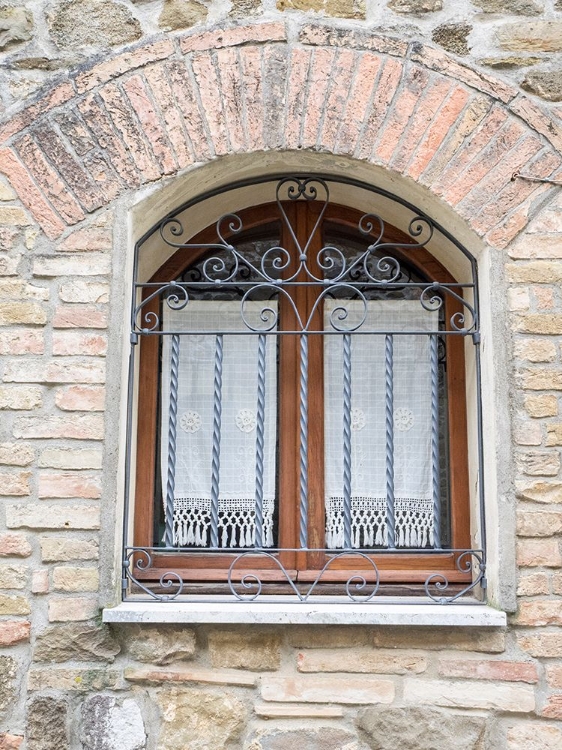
column 395, row 568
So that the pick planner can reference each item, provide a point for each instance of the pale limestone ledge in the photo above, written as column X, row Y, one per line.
column 309, row 613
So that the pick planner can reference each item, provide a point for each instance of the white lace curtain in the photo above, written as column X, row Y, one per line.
column 194, row 441
column 412, row 425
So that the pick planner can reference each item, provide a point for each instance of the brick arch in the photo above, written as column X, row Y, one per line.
column 159, row 108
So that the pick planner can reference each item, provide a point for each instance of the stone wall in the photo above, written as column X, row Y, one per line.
column 112, row 124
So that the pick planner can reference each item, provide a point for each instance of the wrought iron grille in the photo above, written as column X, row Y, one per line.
column 346, row 286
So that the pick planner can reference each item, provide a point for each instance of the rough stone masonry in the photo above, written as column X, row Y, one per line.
column 104, row 102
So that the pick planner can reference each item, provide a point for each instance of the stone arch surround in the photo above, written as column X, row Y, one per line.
column 161, row 107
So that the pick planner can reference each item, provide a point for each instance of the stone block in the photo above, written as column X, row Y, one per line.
column 86, row 240
column 330, row 636
column 254, row 650
column 10, row 741
column 75, row 642
column 200, row 719
column 453, row 37
column 8, row 674
column 537, row 463
column 540, row 492
column 535, row 350
column 17, row 313
column 16, row 26
column 59, row 370
column 415, row 7
column 15, row 484
column 539, row 523
column 545, row 405
column 75, row 427
column 13, row 576
column 14, row 605
column 542, row 645
column 412, row 728
column 538, row 613
column 553, row 434
column 161, row 644
column 65, row 609
column 90, row 679
column 378, row 661
column 335, row 8
column 181, row 14
column 109, row 725
column 327, row 689
column 543, row 323
column 554, row 675
column 75, row 579
column 152, row 676
column 53, row 516
column 40, row 581
column 79, row 316
column 553, row 707
column 94, row 292
column 465, row 694
column 62, row 549
column 531, row 36
column 70, row 458
column 20, row 397
column 534, row 736
column 438, row 639
column 16, row 454
column 14, row 545
column 74, row 343
column 306, row 738
column 18, row 341
column 539, row 552
column 98, row 23
column 533, row 585
column 47, row 724
column 13, row 632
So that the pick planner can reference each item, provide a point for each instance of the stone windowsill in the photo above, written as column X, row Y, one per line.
column 309, row 613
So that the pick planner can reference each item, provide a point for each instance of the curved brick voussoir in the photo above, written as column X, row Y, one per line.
column 161, row 106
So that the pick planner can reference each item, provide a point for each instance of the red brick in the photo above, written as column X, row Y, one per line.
column 264, row 32
column 416, row 82
column 75, row 427
column 208, row 85
column 129, row 60
column 427, row 111
column 13, row 632
column 442, row 62
column 75, row 130
column 153, row 128
column 299, row 64
column 183, row 90
column 69, row 343
column 69, row 485
column 489, row 157
column 319, row 76
column 230, row 88
column 355, row 115
column 22, row 341
column 162, row 92
column 439, row 128
column 539, row 119
column 30, row 196
column 131, row 134
column 275, row 67
column 98, row 120
column 484, row 669
column 79, row 316
column 52, row 186
column 342, row 77
column 14, row 545
column 81, row 398
column 70, row 169
column 385, row 90
column 56, row 96
column 355, row 38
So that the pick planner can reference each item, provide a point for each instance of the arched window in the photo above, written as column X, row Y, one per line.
column 298, row 407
